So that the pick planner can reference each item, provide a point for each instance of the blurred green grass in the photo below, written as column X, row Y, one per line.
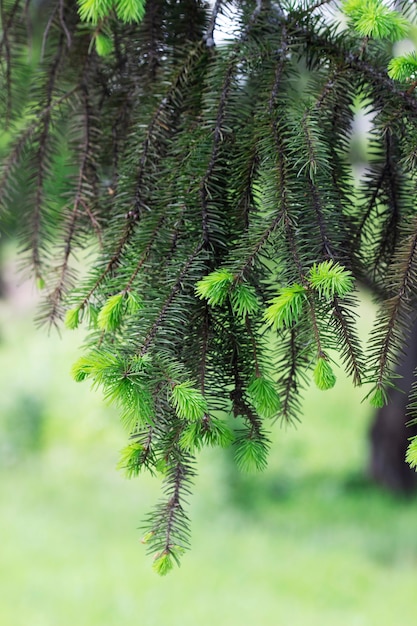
column 308, row 542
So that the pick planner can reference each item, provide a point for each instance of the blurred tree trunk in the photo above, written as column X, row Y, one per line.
column 389, row 433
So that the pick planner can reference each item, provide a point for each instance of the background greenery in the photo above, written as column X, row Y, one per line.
column 307, row 542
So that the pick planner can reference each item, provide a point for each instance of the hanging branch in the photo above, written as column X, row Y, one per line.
column 134, row 214
column 205, row 330
column 209, row 34
column 79, row 203
column 393, row 321
column 204, row 188
column 288, row 381
column 15, row 154
column 40, row 159
column 165, row 307
column 211, row 188
column 7, row 21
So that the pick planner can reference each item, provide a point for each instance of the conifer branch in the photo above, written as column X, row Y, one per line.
column 289, row 381
column 204, row 189
column 246, row 200
column 370, row 206
column 134, row 214
column 326, row 245
column 15, row 154
column 157, row 122
column 174, row 506
column 56, row 296
column 145, row 254
column 175, row 289
column 240, row 406
column 175, row 237
column 320, row 352
column 350, row 342
column 114, row 261
column 61, row 13
column 390, row 228
column 145, row 438
column 339, row 51
column 318, row 4
column 208, row 37
column 397, row 306
column 47, row 29
column 253, row 341
column 7, row 20
column 281, row 165
column 208, row 184
column 40, row 157
column 205, row 329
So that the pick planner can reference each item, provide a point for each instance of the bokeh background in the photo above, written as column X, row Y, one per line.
column 311, row 541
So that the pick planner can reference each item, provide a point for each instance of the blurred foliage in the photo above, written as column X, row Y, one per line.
column 21, row 427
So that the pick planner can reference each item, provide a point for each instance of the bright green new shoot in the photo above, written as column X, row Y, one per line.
column 136, row 402
column 94, row 10
column 130, row 459
column 82, row 369
column 111, row 314
column 244, row 300
column 411, row 454
column 372, row 18
column 330, row 279
column 214, row 287
column 72, row 318
column 163, row 563
column 286, row 308
column 88, row 365
column 104, row 45
column 191, row 437
column 40, row 283
column 379, row 398
column 128, row 11
column 251, row 452
column 217, row 433
column 323, row 374
column 403, row 68
column 207, row 431
column 101, row 365
column 264, row 397
column 188, row 402
column 134, row 302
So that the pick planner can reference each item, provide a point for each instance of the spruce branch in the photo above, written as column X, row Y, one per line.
column 168, row 527
column 165, row 307
column 218, row 133
column 40, row 158
column 217, row 182
column 205, row 337
column 79, row 203
column 146, row 161
column 145, row 255
column 394, row 315
column 13, row 158
column 350, row 347
column 5, row 44
column 208, row 37
column 7, row 22
column 290, row 368
column 204, row 187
